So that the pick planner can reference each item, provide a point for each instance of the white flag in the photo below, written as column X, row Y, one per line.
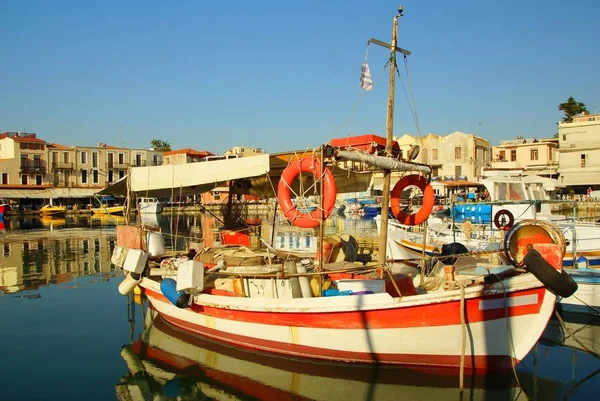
column 366, row 82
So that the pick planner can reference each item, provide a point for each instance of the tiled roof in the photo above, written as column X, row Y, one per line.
column 189, row 152
column 28, row 138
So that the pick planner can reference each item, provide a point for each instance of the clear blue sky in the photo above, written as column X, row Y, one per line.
column 283, row 75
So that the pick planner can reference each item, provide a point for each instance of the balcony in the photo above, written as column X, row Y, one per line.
column 62, row 166
column 33, row 169
column 116, row 165
column 506, row 165
column 138, row 163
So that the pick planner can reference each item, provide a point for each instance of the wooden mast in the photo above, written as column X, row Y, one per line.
column 383, row 234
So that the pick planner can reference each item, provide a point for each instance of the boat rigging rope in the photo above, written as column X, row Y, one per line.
column 588, row 305
column 413, row 107
column 510, row 341
column 572, row 334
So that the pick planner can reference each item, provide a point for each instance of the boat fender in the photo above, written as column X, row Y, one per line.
column 453, row 248
column 423, row 213
column 284, row 194
column 504, row 220
column 129, row 283
column 558, row 283
column 178, row 298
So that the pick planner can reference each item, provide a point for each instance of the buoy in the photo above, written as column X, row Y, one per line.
column 129, row 283
column 428, row 200
column 582, row 262
column 156, row 244
column 284, row 192
column 178, row 298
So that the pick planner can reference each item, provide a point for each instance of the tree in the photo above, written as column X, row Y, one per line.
column 158, row 144
column 571, row 108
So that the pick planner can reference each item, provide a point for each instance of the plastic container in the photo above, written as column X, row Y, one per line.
column 376, row 286
column 582, row 262
column 119, row 255
column 178, row 298
column 190, row 275
column 135, row 261
column 156, row 244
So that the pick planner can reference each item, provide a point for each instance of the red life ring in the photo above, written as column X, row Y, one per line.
column 306, row 165
column 428, row 200
column 503, row 225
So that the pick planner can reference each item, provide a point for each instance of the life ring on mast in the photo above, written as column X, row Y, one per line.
column 428, row 200
column 293, row 170
column 504, row 220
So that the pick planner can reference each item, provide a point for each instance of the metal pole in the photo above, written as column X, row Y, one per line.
column 383, row 234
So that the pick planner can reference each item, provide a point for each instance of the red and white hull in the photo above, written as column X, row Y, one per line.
column 501, row 327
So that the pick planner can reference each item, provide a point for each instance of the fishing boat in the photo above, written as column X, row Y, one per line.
column 108, row 205
column 167, row 362
column 309, row 308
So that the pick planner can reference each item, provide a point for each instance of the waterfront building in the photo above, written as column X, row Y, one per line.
column 33, row 169
column 579, row 150
column 525, row 156
column 452, row 157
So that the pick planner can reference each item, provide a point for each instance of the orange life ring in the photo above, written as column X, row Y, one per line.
column 504, row 225
column 293, row 170
column 428, row 200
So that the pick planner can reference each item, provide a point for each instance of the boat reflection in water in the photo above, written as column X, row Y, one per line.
column 167, row 362
column 29, row 259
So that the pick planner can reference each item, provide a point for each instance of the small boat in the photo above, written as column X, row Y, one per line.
column 108, row 205
column 149, row 206
column 586, row 299
column 53, row 210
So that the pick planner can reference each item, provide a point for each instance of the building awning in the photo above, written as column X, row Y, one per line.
column 48, row 193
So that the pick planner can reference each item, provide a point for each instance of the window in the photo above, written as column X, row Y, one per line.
column 457, row 172
column 513, row 155
column 95, row 177
column 66, row 157
column 110, row 176
column 4, row 178
column 138, row 159
column 95, row 159
column 54, row 157
column 38, row 180
column 24, row 161
column 515, row 191
column 216, row 195
column 583, row 160
column 534, row 154
column 23, row 179
column 155, row 160
column 434, row 154
column 550, row 154
column 121, row 173
column 564, row 137
column 121, row 158
column 435, row 171
column 84, row 176
column 502, row 155
column 457, row 153
column 83, row 157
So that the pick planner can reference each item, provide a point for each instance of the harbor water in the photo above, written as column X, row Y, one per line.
column 67, row 334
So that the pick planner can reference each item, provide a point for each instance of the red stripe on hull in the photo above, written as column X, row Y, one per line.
column 479, row 362
column 434, row 314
